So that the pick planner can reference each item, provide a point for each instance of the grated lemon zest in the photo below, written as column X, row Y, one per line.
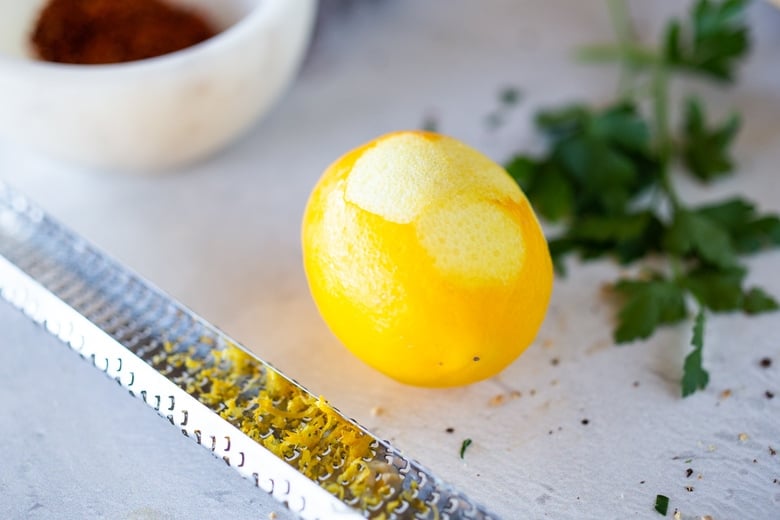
column 302, row 429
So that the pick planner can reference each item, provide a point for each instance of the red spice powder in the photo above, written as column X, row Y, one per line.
column 114, row 31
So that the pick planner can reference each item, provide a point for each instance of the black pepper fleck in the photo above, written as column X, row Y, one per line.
column 450, row 430
column 641, row 481
column 476, row 358
column 636, row 384
column 766, row 362
column 769, row 395
column 585, row 422
column 689, row 472
column 689, row 489
column 555, row 361
column 772, row 451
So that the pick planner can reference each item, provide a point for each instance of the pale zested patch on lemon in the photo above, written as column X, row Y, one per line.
column 426, row 260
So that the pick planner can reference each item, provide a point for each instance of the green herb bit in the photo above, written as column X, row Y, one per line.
column 430, row 124
column 694, row 375
column 494, row 120
column 466, row 444
column 509, row 96
column 662, row 504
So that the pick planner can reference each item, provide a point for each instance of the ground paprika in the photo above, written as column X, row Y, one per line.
column 114, row 31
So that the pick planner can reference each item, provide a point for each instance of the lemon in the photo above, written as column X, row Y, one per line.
column 426, row 260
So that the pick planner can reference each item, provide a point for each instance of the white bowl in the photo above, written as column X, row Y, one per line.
column 157, row 113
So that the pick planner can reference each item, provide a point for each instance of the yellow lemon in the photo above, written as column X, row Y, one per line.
column 426, row 260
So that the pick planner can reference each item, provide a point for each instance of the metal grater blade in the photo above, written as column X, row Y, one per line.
column 291, row 443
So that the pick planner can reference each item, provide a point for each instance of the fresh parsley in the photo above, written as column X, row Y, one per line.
column 606, row 179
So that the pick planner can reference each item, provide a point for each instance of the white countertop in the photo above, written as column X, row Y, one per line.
column 222, row 236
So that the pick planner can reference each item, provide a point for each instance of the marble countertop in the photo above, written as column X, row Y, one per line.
column 597, row 430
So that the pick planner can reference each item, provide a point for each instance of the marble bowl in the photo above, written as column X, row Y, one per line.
column 158, row 113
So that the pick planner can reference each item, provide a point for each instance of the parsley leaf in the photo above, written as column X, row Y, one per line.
column 694, row 375
column 749, row 232
column 756, row 301
column 716, row 289
column 692, row 233
column 648, row 304
column 552, row 192
column 720, row 290
column 711, row 41
column 627, row 237
column 705, row 151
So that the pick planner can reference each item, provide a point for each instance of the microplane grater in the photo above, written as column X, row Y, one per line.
column 292, row 444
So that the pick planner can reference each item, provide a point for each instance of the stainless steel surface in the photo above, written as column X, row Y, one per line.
column 207, row 385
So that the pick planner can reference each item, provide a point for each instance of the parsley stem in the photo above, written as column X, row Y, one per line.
column 660, row 111
column 660, row 102
column 621, row 23
column 630, row 55
column 675, row 262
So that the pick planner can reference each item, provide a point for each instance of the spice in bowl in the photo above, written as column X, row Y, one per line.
column 92, row 32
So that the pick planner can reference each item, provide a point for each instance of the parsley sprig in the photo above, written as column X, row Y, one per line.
column 606, row 177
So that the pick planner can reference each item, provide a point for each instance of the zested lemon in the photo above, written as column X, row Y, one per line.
column 426, row 260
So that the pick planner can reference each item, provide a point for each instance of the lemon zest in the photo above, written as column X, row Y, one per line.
column 294, row 425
